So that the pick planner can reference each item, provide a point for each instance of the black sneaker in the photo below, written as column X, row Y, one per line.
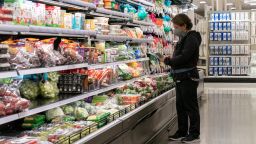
column 190, row 139
column 177, row 137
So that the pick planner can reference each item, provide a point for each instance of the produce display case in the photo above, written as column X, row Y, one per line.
column 92, row 43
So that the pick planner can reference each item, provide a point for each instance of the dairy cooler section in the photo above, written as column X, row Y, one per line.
column 229, row 43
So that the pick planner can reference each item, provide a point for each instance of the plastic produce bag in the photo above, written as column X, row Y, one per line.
column 46, row 53
column 69, row 49
column 53, row 76
column 81, row 113
column 29, row 89
column 68, row 110
column 10, row 100
column 124, row 72
column 23, row 53
column 53, row 113
column 48, row 89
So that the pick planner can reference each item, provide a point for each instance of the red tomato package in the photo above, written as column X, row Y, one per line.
column 10, row 100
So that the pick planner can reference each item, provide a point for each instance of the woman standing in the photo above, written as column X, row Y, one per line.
column 185, row 74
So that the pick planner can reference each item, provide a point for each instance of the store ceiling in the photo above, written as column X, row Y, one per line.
column 235, row 3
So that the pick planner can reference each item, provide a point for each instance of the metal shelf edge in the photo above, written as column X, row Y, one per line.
column 116, row 63
column 51, row 69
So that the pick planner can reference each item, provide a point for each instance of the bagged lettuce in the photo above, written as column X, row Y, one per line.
column 68, row 110
column 81, row 113
column 54, row 113
column 29, row 89
column 48, row 89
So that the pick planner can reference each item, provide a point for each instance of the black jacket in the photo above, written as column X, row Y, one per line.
column 186, row 53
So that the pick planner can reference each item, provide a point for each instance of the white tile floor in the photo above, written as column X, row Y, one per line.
column 228, row 114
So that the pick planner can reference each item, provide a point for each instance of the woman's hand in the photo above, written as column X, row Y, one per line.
column 167, row 61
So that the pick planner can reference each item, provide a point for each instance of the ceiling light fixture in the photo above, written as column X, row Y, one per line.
column 229, row 4
column 233, row 8
column 202, row 2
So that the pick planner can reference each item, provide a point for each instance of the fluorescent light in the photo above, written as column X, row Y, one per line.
column 229, row 4
column 233, row 8
column 202, row 2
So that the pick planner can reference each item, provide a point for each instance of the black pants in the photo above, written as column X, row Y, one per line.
column 187, row 107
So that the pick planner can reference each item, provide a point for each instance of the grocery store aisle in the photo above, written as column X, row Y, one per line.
column 228, row 114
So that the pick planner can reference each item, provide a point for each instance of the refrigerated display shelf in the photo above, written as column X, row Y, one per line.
column 8, row 74
column 44, row 31
column 138, row 108
column 142, row 40
column 112, row 38
column 75, row 4
column 65, row 101
column 230, row 66
column 110, row 14
column 230, row 21
column 51, row 69
column 143, row 2
column 142, row 23
column 231, row 79
column 228, row 44
column 8, row 33
column 15, row 73
column 97, row 66
column 233, row 55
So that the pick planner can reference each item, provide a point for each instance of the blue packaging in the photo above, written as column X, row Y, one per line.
column 212, row 36
column 229, row 37
column 220, row 61
column 212, row 51
column 216, row 36
column 220, row 37
column 225, row 61
column 215, row 71
column 213, row 17
column 224, row 36
column 220, row 71
column 224, row 16
column 224, row 50
column 211, row 61
column 220, row 26
column 228, row 25
column 224, row 26
column 229, row 49
column 229, row 61
column 216, row 50
column 216, row 61
column 221, row 16
column 225, row 71
column 228, row 16
column 212, row 26
column 216, row 17
column 229, row 71
column 220, row 50
column 216, row 26
column 211, row 71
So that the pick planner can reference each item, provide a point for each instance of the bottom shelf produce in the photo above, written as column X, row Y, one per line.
column 69, row 123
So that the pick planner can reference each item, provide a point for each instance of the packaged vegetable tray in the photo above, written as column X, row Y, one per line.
column 101, row 119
